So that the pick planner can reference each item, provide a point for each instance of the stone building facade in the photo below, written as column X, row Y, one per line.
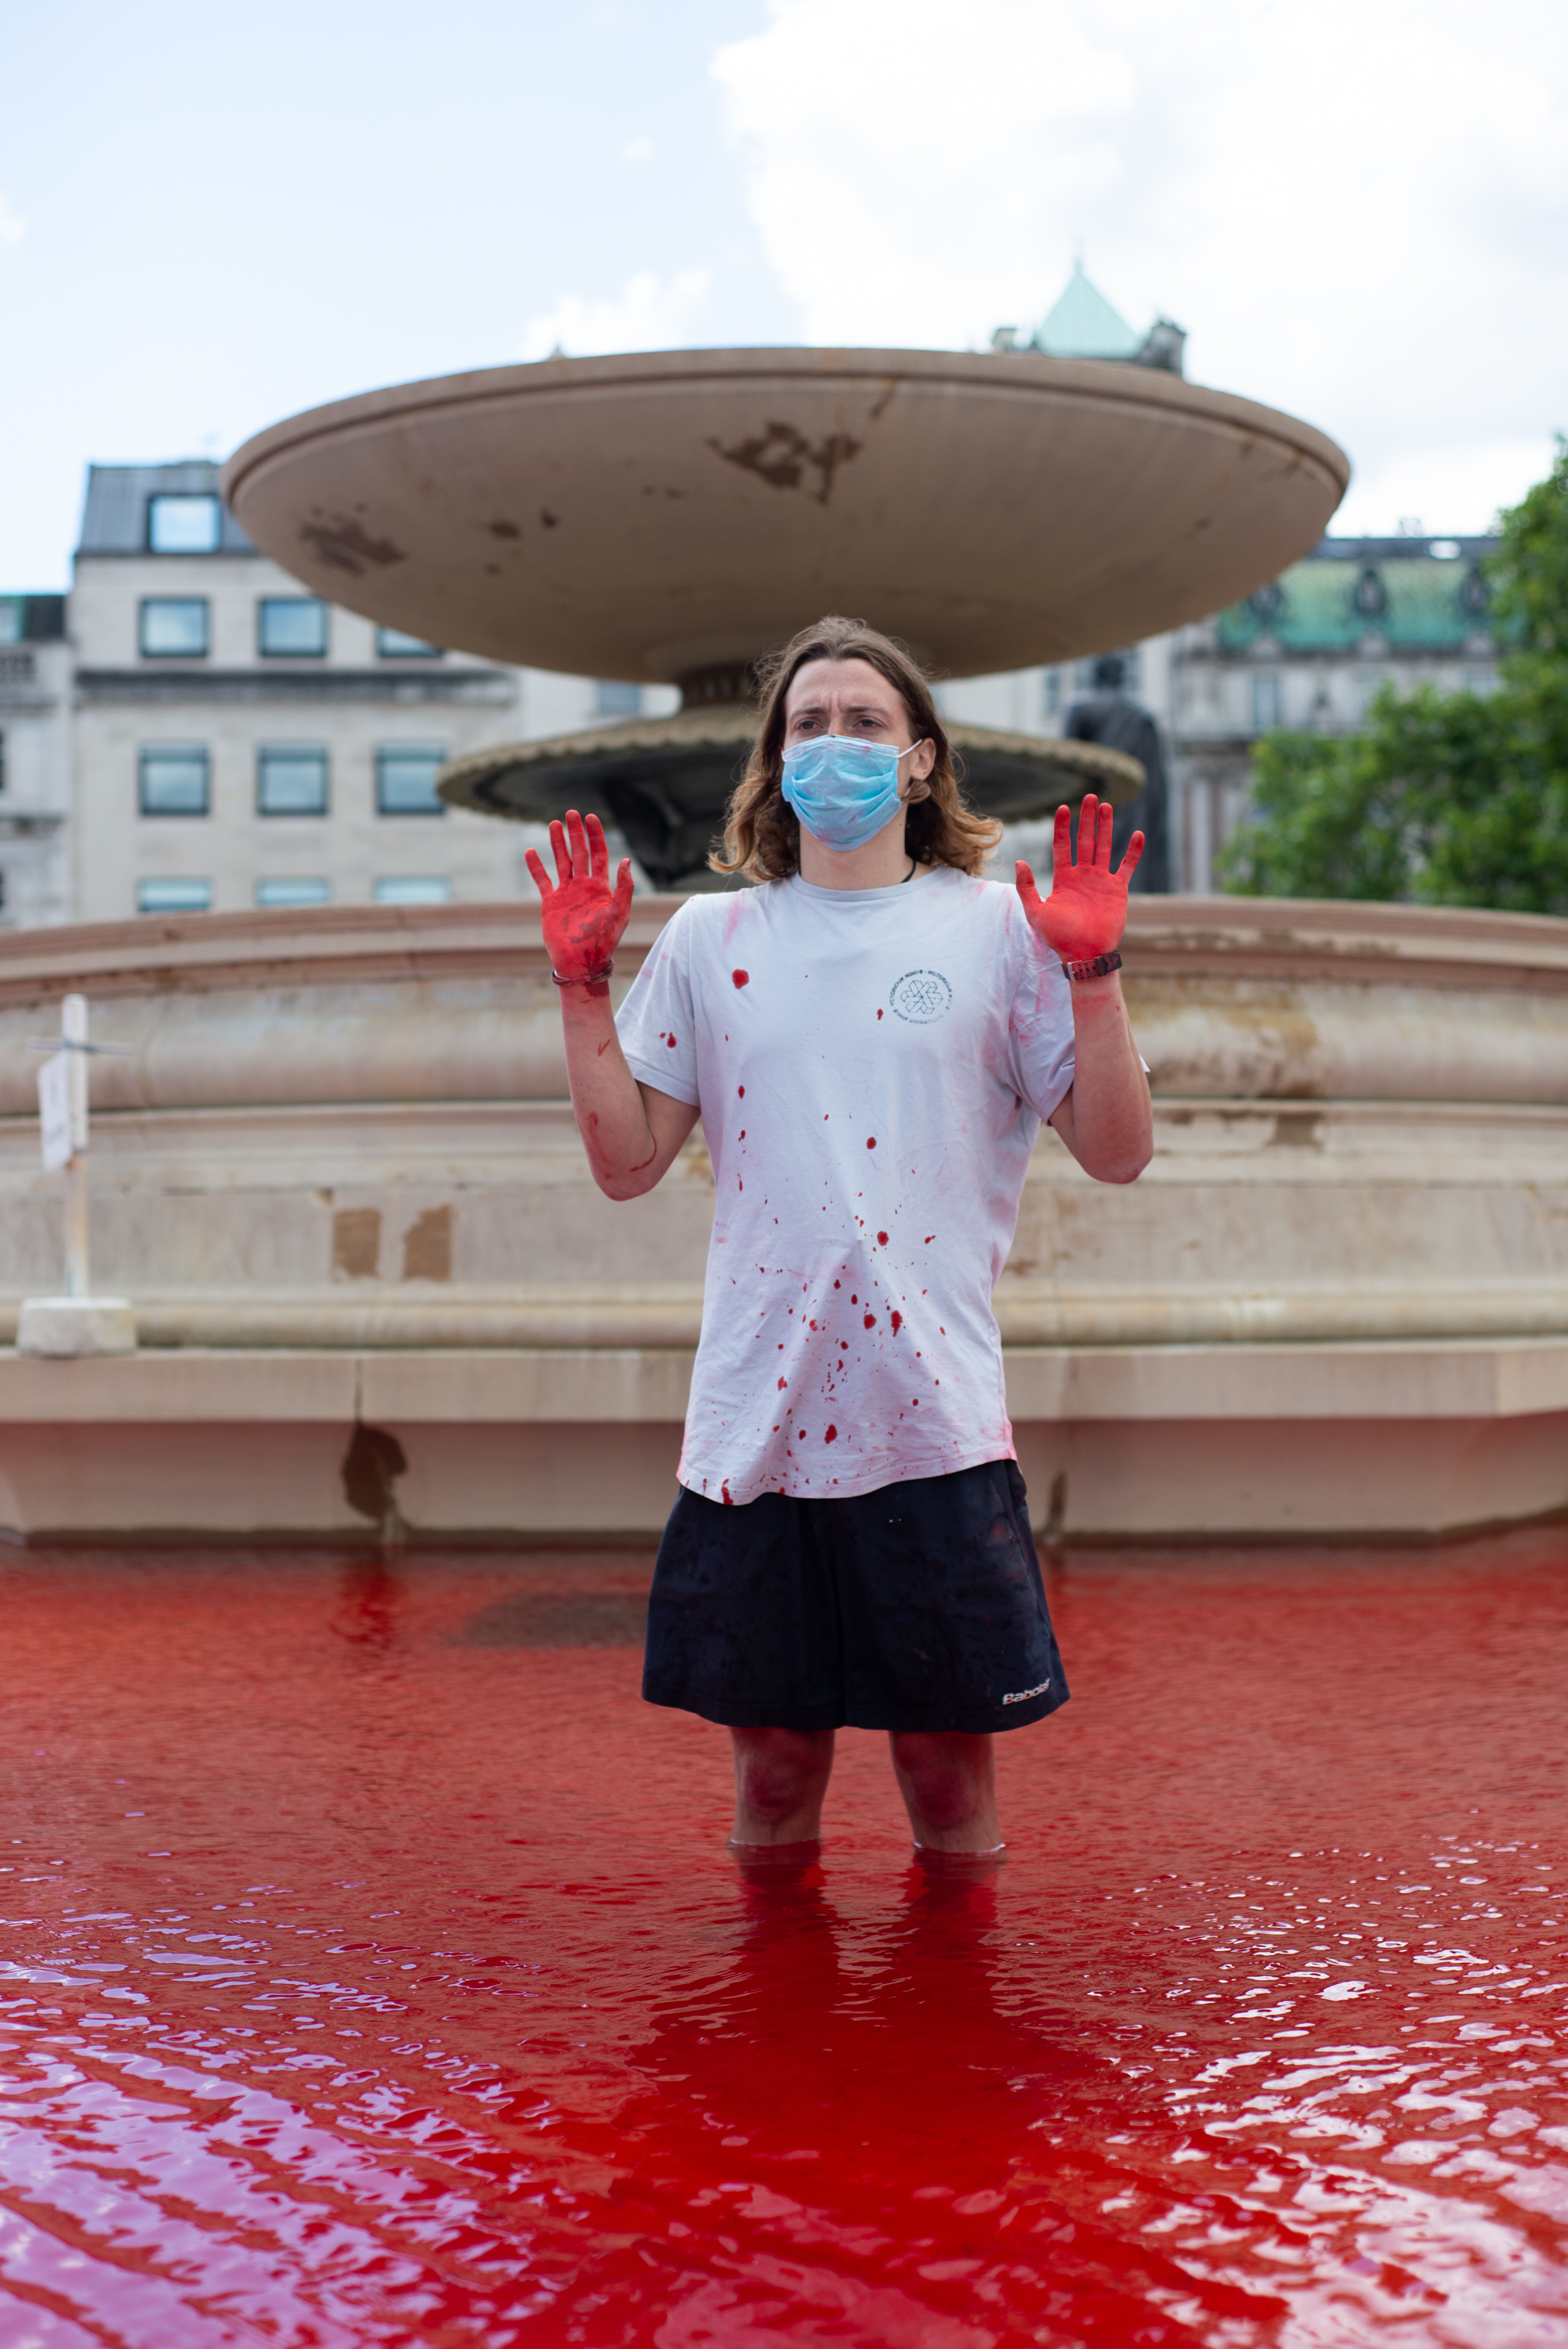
column 35, row 761
column 190, row 730
column 1309, row 652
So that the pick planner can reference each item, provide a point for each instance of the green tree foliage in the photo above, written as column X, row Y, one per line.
column 1446, row 799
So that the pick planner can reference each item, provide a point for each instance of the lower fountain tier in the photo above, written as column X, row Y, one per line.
column 338, row 1179
column 665, row 782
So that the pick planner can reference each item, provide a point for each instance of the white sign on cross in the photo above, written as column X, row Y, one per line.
column 63, row 1117
column 54, row 1111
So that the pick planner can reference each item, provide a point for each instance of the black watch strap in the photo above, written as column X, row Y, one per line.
column 1100, row 967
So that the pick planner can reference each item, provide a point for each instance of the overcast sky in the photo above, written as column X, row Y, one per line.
column 211, row 216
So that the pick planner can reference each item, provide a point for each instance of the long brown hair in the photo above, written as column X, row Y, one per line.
column 762, row 831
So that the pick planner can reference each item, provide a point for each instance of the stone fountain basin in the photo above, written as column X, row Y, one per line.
column 338, row 1178
column 670, row 513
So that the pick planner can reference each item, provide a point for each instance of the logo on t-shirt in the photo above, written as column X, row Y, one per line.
column 921, row 997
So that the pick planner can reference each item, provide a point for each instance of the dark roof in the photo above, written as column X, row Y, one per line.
column 1407, row 548
column 1397, row 591
column 114, row 518
column 32, row 619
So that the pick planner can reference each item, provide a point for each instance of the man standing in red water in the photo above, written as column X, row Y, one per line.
column 871, row 1038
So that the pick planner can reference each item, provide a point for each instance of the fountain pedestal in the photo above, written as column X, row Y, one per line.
column 340, row 1176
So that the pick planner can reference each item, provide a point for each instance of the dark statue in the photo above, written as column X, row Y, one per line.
column 1112, row 716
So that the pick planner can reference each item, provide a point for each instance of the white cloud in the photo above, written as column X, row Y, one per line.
column 649, row 314
column 13, row 227
column 1360, row 208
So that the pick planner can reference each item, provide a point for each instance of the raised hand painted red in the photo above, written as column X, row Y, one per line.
column 584, row 916
column 1086, row 912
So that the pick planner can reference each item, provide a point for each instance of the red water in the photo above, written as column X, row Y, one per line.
column 373, row 1974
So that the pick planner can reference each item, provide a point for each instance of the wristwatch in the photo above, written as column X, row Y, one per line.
column 1100, row 967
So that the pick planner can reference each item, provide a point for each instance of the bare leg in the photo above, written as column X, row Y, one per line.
column 948, row 1781
column 780, row 1778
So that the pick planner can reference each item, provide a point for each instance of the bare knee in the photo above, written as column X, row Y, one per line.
column 948, row 1782
column 780, row 1776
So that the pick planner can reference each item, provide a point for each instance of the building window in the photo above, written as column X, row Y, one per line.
column 174, row 781
column 13, row 619
column 182, row 522
column 294, row 893
column 174, row 627
column 1475, row 594
column 612, row 699
column 1053, row 693
column 290, row 627
column 413, row 889
column 1268, row 703
column 391, row 644
column 406, row 781
column 291, row 780
column 174, row 897
column 1371, row 596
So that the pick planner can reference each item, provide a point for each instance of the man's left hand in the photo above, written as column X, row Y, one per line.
column 1086, row 912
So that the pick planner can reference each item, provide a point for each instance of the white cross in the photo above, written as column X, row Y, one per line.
column 63, row 1115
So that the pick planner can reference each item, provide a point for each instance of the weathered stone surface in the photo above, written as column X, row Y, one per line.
column 338, row 1178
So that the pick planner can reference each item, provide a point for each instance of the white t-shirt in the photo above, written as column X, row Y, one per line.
column 872, row 1066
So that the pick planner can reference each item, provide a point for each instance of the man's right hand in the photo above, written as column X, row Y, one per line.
column 584, row 918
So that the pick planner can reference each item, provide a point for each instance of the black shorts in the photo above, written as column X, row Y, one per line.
column 916, row 1606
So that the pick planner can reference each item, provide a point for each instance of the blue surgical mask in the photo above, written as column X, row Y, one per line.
column 843, row 789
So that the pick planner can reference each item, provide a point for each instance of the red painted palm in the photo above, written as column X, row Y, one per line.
column 1086, row 912
column 584, row 916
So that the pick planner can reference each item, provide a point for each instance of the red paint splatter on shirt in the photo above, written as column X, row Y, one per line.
column 831, row 1436
column 897, row 1319
column 929, row 1237
column 782, row 1384
column 870, row 1138
column 723, row 1490
column 879, row 1015
column 741, row 1091
column 671, row 1042
column 881, row 1239
column 871, row 1320
column 742, row 977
